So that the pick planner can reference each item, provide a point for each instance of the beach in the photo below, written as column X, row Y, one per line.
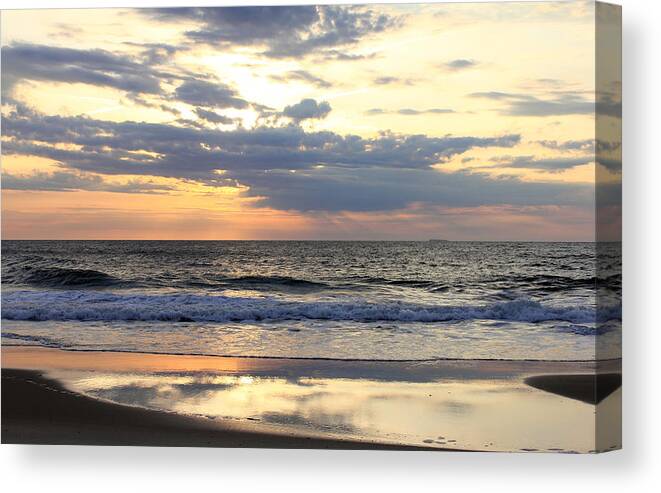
column 466, row 346
column 111, row 398
column 38, row 410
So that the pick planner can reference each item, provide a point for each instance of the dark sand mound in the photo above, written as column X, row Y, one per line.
column 591, row 389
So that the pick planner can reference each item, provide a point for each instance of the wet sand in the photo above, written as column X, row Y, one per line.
column 38, row 410
column 591, row 389
column 52, row 396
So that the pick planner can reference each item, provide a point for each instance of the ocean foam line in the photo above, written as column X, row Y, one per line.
column 97, row 306
column 63, row 347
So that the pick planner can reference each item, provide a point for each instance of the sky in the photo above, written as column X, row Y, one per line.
column 376, row 122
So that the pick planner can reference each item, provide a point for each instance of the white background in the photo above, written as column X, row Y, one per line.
column 636, row 468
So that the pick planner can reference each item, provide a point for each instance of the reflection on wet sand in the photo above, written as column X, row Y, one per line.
column 468, row 405
column 474, row 414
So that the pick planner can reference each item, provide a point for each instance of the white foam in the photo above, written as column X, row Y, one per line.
column 105, row 306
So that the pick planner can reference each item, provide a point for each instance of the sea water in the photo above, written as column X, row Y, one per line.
column 376, row 300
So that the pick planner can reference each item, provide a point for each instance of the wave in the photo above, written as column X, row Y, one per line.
column 268, row 282
column 29, row 340
column 411, row 283
column 49, row 276
column 543, row 282
column 533, row 283
column 63, row 277
column 98, row 306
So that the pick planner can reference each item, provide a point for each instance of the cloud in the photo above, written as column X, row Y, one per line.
column 168, row 150
column 551, row 82
column 346, row 57
column 609, row 104
column 569, row 145
column 156, row 53
column 614, row 165
column 140, row 77
column 307, row 109
column 567, row 103
column 301, row 75
column 608, row 146
column 283, row 167
column 67, row 181
column 34, row 62
column 552, row 165
column 281, row 31
column 369, row 189
column 209, row 94
column 388, row 80
column 213, row 117
column 495, row 95
column 408, row 111
column 460, row 64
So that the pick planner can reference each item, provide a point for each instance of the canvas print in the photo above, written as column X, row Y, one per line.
column 376, row 226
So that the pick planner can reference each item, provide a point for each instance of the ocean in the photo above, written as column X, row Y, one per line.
column 372, row 300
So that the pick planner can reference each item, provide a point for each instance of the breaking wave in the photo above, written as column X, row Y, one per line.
column 100, row 306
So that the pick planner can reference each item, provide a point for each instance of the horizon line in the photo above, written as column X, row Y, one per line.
column 428, row 240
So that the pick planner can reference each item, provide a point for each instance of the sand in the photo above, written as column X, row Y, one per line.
column 591, row 389
column 37, row 410
column 52, row 396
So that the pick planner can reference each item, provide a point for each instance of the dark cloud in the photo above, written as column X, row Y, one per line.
column 524, row 105
column 284, row 167
column 140, row 100
column 213, row 117
column 209, row 94
column 609, row 155
column 460, row 64
column 97, row 67
column 168, row 150
column 606, row 146
column 283, row 31
column 333, row 189
column 302, row 75
column 409, row 111
column 67, row 181
column 307, row 109
column 613, row 165
column 609, row 104
column 139, row 76
column 157, row 53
